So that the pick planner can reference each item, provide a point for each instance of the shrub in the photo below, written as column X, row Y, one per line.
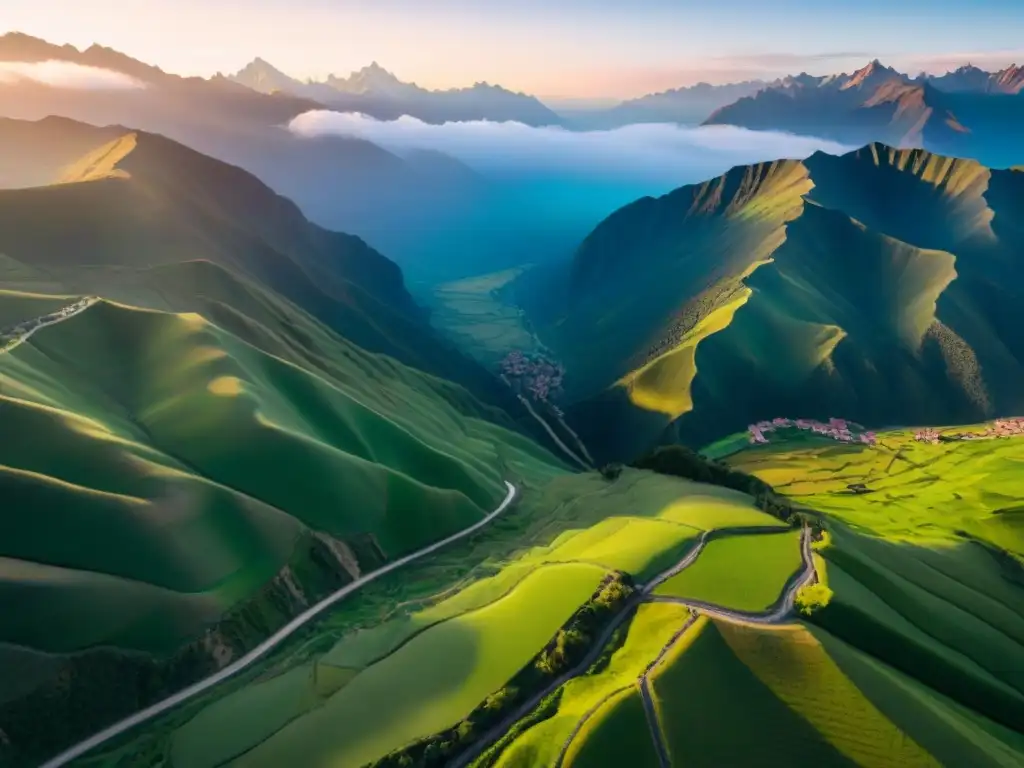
column 812, row 598
column 497, row 700
column 611, row 471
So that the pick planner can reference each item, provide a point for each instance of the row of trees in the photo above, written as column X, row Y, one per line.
column 680, row 461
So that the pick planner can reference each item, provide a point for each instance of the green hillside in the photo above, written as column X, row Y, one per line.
column 925, row 565
column 217, row 442
column 137, row 201
column 883, row 285
column 461, row 634
column 213, row 414
column 176, row 491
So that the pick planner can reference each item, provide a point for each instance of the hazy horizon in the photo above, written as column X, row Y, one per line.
column 579, row 50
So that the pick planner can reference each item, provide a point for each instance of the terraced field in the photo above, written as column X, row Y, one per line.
column 587, row 701
column 924, row 566
column 433, row 681
column 746, row 573
column 453, row 645
column 420, row 656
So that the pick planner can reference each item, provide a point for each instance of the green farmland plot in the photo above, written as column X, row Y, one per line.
column 746, row 573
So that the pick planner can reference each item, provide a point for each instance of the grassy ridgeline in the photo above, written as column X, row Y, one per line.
column 173, row 493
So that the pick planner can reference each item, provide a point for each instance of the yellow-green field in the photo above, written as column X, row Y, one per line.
column 746, row 573
column 652, row 627
column 925, row 566
column 436, row 679
column 208, row 460
column 919, row 491
column 618, row 736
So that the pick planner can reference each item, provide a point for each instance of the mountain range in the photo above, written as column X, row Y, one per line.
column 219, row 373
column 883, row 284
column 375, row 91
column 693, row 105
column 965, row 113
column 216, row 411
column 106, row 210
column 340, row 182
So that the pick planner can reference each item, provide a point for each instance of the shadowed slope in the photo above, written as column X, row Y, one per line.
column 174, row 493
column 142, row 200
column 883, row 284
column 877, row 103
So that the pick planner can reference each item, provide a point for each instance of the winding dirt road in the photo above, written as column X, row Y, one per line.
column 267, row 645
column 776, row 614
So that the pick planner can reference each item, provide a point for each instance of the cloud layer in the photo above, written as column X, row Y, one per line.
column 66, row 74
column 661, row 154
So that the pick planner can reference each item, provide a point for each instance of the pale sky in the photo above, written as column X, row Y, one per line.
column 553, row 48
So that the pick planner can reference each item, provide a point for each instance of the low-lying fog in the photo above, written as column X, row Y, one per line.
column 548, row 187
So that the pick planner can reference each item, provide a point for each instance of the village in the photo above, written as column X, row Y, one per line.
column 840, row 430
column 15, row 334
column 1011, row 427
column 844, row 431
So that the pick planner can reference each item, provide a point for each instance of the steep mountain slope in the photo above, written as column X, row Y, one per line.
column 878, row 104
column 216, row 442
column 972, row 79
column 142, row 201
column 375, row 91
column 883, row 284
column 36, row 153
column 341, row 182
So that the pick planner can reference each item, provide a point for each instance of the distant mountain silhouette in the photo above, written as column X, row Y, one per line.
column 127, row 203
column 971, row 79
column 967, row 113
column 688, row 105
column 375, row 91
column 341, row 182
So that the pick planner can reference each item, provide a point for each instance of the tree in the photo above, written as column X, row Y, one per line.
column 812, row 598
column 497, row 700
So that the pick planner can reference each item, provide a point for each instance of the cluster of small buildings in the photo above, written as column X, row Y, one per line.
column 840, row 430
column 927, row 435
column 1012, row 427
column 538, row 376
column 10, row 336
